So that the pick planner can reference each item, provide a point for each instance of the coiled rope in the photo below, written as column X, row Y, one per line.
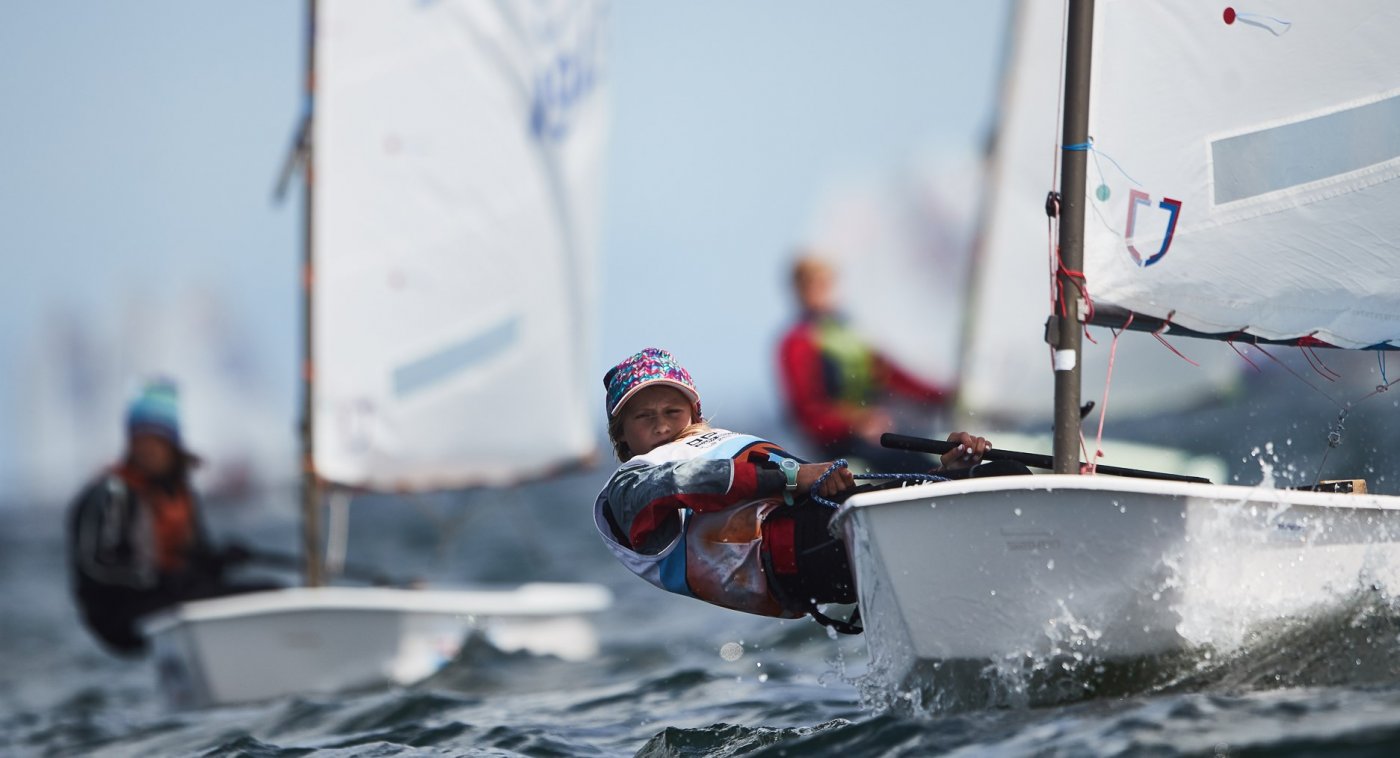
column 840, row 463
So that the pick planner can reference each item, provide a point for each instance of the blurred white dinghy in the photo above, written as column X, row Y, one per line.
column 262, row 645
column 1249, row 134
column 452, row 203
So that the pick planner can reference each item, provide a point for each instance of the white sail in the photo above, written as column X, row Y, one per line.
column 458, row 150
column 1250, row 186
column 1006, row 361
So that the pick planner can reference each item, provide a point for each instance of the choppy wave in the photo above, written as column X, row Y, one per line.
column 1354, row 642
column 676, row 678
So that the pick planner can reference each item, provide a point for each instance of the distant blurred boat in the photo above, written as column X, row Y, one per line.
column 1234, row 177
column 451, row 212
column 263, row 645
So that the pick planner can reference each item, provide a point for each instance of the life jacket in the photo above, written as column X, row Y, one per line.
column 172, row 521
column 848, row 363
column 717, row 556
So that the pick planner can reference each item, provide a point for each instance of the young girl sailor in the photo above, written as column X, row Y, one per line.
column 715, row 514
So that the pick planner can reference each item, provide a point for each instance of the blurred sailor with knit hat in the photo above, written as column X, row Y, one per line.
column 136, row 537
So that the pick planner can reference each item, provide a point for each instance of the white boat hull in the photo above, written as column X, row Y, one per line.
column 1004, row 570
column 262, row 645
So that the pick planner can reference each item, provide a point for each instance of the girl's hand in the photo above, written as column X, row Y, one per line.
column 968, row 453
column 840, row 480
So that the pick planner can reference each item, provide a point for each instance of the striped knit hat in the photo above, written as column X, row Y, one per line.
column 155, row 410
column 650, row 366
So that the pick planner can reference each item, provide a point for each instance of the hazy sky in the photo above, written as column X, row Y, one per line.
column 141, row 142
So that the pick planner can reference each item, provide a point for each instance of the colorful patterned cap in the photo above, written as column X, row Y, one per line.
column 155, row 410
column 650, row 366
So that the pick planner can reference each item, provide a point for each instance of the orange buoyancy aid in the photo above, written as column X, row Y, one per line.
column 171, row 518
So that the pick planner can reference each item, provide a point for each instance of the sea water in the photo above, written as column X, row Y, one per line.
column 675, row 677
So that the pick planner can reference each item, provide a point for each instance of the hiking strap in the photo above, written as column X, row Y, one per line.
column 851, row 625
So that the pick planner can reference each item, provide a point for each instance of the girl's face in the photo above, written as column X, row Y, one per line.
column 153, row 455
column 654, row 416
column 817, row 291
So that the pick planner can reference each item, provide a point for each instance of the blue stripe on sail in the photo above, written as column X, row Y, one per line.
column 1285, row 156
column 454, row 359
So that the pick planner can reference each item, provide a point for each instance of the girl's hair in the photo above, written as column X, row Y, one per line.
column 620, row 448
column 807, row 265
column 185, row 463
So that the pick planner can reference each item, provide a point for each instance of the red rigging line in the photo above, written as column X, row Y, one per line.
column 1107, row 383
column 1166, row 323
column 1231, row 342
column 1310, row 353
column 1080, row 283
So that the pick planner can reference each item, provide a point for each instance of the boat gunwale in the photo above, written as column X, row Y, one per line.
column 1052, row 482
column 539, row 599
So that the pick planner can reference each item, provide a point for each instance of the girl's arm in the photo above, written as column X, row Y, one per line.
column 644, row 499
column 903, row 383
column 808, row 399
column 98, row 531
